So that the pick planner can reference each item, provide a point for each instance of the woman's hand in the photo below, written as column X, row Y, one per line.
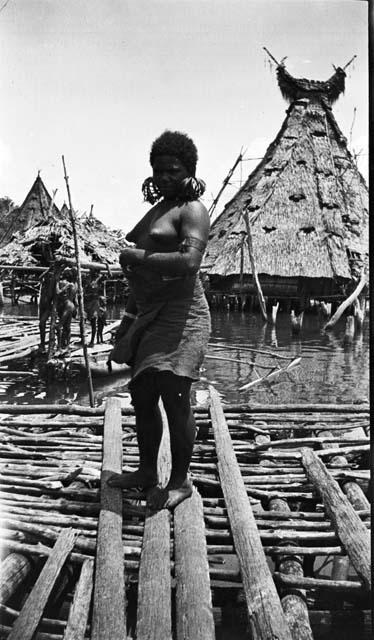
column 129, row 256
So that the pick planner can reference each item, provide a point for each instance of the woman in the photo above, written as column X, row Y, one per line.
column 166, row 325
column 92, row 297
column 66, row 305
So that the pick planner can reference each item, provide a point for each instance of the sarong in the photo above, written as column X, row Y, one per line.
column 172, row 327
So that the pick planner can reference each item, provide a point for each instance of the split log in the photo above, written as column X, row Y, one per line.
column 31, row 613
column 351, row 531
column 194, row 613
column 265, row 612
column 154, row 585
column 78, row 614
column 108, row 616
column 14, row 569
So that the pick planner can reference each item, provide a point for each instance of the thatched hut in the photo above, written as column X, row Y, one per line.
column 307, row 205
column 38, row 233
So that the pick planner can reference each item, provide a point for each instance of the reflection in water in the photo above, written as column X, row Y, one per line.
column 330, row 371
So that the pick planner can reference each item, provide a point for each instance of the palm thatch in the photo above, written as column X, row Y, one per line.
column 306, row 200
column 48, row 235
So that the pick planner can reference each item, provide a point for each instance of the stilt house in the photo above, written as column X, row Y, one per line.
column 307, row 205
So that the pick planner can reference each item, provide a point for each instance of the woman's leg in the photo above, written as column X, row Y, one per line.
column 175, row 394
column 145, row 397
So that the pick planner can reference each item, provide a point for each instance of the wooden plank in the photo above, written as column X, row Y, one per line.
column 29, row 617
column 78, row 614
column 194, row 612
column 265, row 612
column 108, row 617
column 353, row 534
column 154, row 586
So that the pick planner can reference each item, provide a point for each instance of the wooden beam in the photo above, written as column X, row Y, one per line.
column 353, row 534
column 265, row 612
column 31, row 613
column 194, row 613
column 79, row 610
column 154, row 586
column 108, row 617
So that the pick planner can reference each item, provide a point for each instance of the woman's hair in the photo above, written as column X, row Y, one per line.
column 178, row 144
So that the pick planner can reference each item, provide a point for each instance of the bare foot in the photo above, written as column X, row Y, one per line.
column 170, row 496
column 130, row 480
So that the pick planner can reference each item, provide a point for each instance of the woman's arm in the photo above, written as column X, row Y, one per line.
column 127, row 318
column 194, row 231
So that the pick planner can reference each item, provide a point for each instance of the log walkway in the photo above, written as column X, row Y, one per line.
column 279, row 497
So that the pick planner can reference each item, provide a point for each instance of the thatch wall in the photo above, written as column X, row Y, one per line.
column 307, row 205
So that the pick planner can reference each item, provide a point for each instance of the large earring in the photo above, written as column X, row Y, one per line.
column 150, row 191
column 192, row 188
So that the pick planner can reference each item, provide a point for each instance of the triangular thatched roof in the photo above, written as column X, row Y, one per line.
column 307, row 201
column 34, row 209
column 50, row 237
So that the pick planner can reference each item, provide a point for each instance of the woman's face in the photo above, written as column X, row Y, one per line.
column 168, row 173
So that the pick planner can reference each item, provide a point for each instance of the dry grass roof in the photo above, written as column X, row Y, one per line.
column 30, row 237
column 306, row 200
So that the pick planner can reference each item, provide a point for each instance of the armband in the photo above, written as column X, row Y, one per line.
column 191, row 241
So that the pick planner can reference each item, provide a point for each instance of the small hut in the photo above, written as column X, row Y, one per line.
column 307, row 206
column 38, row 234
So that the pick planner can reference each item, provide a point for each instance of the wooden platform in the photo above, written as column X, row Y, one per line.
column 273, row 543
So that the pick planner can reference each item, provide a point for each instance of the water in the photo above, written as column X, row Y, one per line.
column 331, row 370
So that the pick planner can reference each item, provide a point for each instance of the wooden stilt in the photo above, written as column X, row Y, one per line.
column 274, row 311
column 296, row 321
column 349, row 329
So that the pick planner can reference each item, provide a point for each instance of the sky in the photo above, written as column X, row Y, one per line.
column 99, row 80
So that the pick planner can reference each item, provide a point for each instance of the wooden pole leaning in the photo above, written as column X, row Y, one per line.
column 108, row 617
column 265, row 612
column 355, row 537
column 260, row 295
column 80, row 289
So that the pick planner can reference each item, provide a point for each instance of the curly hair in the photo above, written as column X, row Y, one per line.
column 178, row 144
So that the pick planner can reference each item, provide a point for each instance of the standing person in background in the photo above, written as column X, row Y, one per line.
column 165, row 328
column 66, row 306
column 92, row 295
column 101, row 319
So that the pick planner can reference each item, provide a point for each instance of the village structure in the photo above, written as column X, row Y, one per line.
column 306, row 205
column 275, row 538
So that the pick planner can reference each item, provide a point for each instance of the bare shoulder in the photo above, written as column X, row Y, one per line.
column 195, row 213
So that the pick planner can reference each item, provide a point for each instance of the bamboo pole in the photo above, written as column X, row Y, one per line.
column 80, row 289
